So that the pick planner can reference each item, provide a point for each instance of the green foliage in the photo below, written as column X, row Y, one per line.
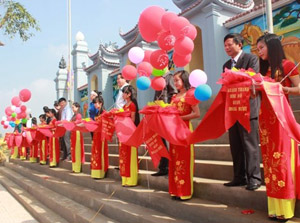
column 17, row 20
column 277, row 19
column 288, row 21
column 286, row 9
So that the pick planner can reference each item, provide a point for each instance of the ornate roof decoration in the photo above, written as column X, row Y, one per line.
column 115, row 72
column 101, row 60
column 254, row 12
column 128, row 35
column 62, row 63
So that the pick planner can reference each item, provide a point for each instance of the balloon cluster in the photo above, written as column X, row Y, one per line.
column 17, row 112
column 172, row 32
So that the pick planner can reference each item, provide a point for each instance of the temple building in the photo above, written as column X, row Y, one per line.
column 213, row 19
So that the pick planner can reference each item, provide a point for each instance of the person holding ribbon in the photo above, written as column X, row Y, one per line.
column 99, row 158
column 77, row 147
column 181, row 164
column 128, row 155
column 279, row 151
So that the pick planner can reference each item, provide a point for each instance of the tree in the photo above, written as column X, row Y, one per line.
column 16, row 20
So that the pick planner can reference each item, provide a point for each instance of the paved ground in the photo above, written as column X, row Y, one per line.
column 11, row 211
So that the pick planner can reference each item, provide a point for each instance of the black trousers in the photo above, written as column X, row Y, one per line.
column 245, row 152
column 164, row 162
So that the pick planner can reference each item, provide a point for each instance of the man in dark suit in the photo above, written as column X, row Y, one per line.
column 243, row 145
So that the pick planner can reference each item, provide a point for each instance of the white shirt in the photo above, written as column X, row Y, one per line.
column 236, row 58
column 120, row 102
column 66, row 113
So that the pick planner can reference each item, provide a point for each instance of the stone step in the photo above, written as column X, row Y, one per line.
column 32, row 205
column 110, row 206
column 219, row 152
column 61, row 205
column 206, row 189
column 194, row 210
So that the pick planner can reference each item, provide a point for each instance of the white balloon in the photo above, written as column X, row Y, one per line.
column 13, row 108
column 4, row 118
column 6, row 123
column 18, row 110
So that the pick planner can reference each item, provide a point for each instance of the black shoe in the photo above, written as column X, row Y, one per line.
column 252, row 186
column 160, row 173
column 235, row 184
column 117, row 168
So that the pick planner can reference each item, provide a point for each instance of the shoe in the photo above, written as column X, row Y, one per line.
column 252, row 186
column 235, row 184
column 160, row 173
column 117, row 168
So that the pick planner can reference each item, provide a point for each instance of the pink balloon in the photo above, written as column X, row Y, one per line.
column 197, row 77
column 147, row 55
column 158, row 83
column 136, row 54
column 129, row 72
column 18, row 110
column 165, row 40
column 8, row 111
column 166, row 20
column 145, row 69
column 190, row 97
column 191, row 32
column 25, row 95
column 184, row 46
column 150, row 22
column 179, row 26
column 23, row 108
column 16, row 101
column 159, row 59
column 181, row 61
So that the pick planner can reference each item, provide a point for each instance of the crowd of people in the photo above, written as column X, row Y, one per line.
column 244, row 145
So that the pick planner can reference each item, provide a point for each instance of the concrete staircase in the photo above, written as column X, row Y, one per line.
column 57, row 195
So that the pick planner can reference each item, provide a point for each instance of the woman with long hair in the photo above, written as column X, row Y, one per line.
column 128, row 156
column 181, row 164
column 77, row 147
column 99, row 158
column 279, row 152
column 54, row 148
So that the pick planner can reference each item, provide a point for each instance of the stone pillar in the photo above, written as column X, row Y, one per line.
column 80, row 60
column 61, row 80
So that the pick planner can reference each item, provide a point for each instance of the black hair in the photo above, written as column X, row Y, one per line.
column 275, row 56
column 99, row 99
column 46, row 109
column 133, row 96
column 184, row 76
column 237, row 38
column 121, row 76
column 61, row 99
column 53, row 111
column 34, row 121
column 55, row 104
column 43, row 116
column 76, row 104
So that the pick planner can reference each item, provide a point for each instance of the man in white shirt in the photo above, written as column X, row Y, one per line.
column 120, row 102
column 66, row 114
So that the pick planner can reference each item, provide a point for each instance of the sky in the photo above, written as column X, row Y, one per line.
column 33, row 64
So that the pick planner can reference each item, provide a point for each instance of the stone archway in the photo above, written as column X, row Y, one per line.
column 94, row 83
column 197, row 55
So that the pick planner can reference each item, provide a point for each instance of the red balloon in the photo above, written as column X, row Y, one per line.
column 144, row 69
column 184, row 46
column 8, row 111
column 179, row 26
column 191, row 32
column 23, row 115
column 5, row 127
column 159, row 59
column 16, row 101
column 181, row 61
column 190, row 97
column 129, row 72
column 158, row 83
column 166, row 20
column 165, row 40
column 2, row 122
column 147, row 55
column 23, row 108
column 150, row 22
column 25, row 95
